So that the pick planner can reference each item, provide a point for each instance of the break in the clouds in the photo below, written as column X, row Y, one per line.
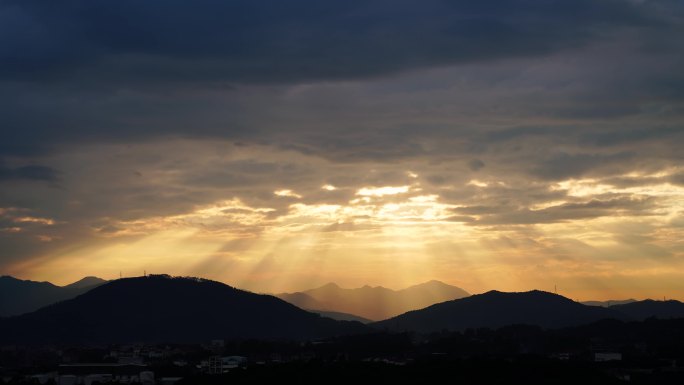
column 278, row 145
column 38, row 173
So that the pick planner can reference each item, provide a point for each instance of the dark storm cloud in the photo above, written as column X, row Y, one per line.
column 644, row 134
column 563, row 165
column 476, row 164
column 512, row 133
column 83, row 71
column 276, row 41
column 34, row 172
column 594, row 135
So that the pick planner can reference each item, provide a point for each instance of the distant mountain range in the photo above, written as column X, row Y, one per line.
column 640, row 310
column 18, row 296
column 341, row 316
column 495, row 309
column 609, row 302
column 162, row 308
column 165, row 309
column 373, row 303
column 88, row 283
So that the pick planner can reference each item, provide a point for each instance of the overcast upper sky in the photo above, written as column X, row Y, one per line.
column 280, row 145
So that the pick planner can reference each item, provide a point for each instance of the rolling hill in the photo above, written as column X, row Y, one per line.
column 495, row 309
column 19, row 296
column 641, row 310
column 166, row 309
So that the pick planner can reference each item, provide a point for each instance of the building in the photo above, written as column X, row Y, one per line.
column 220, row 365
column 605, row 357
column 87, row 374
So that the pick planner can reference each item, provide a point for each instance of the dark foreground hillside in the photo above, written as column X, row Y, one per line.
column 496, row 309
column 165, row 309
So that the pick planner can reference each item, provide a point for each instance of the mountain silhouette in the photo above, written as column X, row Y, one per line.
column 608, row 303
column 166, row 309
column 641, row 310
column 374, row 303
column 86, row 282
column 18, row 296
column 341, row 316
column 303, row 300
column 495, row 309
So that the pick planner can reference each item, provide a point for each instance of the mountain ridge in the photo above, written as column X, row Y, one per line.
column 163, row 308
column 495, row 309
column 609, row 303
column 89, row 281
column 18, row 296
column 374, row 302
column 640, row 310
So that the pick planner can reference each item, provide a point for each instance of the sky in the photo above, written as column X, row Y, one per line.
column 280, row 145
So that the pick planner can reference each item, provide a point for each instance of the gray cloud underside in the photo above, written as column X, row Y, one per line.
column 37, row 173
column 275, row 41
column 129, row 70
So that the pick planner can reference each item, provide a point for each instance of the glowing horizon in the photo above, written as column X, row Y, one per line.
column 392, row 236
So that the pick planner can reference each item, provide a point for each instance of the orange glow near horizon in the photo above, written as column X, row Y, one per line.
column 394, row 236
